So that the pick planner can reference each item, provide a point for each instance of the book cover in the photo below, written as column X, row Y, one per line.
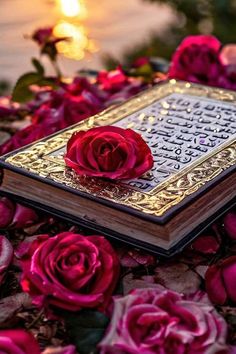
column 191, row 130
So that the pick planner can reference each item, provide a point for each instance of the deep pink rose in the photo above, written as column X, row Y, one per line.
column 70, row 271
column 197, row 60
column 17, row 341
column 221, row 281
column 153, row 321
column 230, row 224
column 6, row 254
column 42, row 35
column 206, row 244
column 110, row 152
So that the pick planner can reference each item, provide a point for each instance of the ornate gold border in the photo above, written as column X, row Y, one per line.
column 167, row 194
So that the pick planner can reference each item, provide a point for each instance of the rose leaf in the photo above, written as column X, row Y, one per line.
column 86, row 329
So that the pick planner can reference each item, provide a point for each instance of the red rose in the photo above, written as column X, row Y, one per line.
column 18, row 341
column 221, row 281
column 197, row 60
column 230, row 224
column 110, row 152
column 69, row 271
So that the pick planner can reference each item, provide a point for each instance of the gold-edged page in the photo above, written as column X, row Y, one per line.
column 191, row 130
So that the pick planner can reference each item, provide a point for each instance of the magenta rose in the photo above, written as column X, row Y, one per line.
column 155, row 321
column 221, row 281
column 69, row 271
column 6, row 254
column 109, row 152
column 197, row 60
column 230, row 224
column 18, row 341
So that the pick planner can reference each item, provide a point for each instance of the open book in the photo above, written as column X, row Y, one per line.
column 191, row 130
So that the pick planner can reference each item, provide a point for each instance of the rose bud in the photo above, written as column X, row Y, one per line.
column 221, row 281
column 23, row 217
column 109, row 152
column 7, row 210
column 18, row 341
column 42, row 35
column 197, row 60
column 69, row 271
column 6, row 254
column 230, row 224
column 156, row 321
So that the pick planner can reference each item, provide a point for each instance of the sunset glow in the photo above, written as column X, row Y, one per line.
column 77, row 44
column 73, row 8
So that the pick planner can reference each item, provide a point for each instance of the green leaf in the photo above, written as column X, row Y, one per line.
column 86, row 329
column 38, row 66
column 21, row 92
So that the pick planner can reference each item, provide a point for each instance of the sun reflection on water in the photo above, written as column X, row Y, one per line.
column 72, row 14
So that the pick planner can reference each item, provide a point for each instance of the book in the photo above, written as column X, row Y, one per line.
column 191, row 130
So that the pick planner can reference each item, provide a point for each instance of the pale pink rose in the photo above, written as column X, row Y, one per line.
column 228, row 54
column 152, row 321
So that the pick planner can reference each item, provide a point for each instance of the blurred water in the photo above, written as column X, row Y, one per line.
column 111, row 25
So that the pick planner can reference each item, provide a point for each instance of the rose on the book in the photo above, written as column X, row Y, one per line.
column 163, row 321
column 109, row 152
column 69, row 271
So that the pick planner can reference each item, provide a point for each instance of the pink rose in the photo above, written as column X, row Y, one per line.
column 197, row 60
column 230, row 224
column 18, row 341
column 228, row 59
column 6, row 254
column 69, row 271
column 221, row 281
column 109, row 152
column 206, row 244
column 155, row 321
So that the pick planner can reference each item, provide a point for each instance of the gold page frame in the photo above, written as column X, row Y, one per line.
column 169, row 193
